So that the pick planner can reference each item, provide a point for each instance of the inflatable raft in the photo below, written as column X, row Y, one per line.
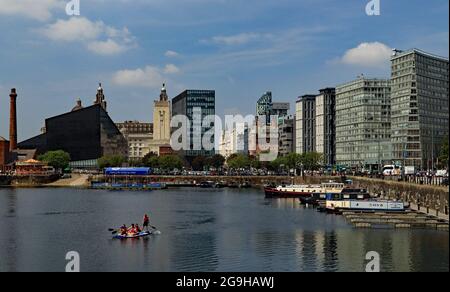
column 137, row 235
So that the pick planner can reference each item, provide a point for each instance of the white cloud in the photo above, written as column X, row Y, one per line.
column 73, row 29
column 34, row 9
column 238, row 39
column 150, row 76
column 368, row 55
column 171, row 69
column 108, row 47
column 171, row 54
column 96, row 36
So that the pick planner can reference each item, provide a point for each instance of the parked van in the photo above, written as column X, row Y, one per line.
column 392, row 170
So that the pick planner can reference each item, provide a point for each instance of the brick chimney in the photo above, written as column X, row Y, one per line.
column 13, row 121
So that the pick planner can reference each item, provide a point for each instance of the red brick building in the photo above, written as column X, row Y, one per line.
column 4, row 153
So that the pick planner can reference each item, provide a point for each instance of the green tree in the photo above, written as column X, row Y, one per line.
column 111, row 161
column 277, row 164
column 312, row 160
column 148, row 158
column 170, row 162
column 443, row 155
column 58, row 159
column 239, row 161
column 293, row 160
column 254, row 162
column 152, row 162
column 136, row 162
column 217, row 161
column 198, row 164
column 231, row 157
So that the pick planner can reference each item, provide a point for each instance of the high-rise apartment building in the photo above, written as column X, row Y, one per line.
column 305, row 124
column 420, row 107
column 286, row 126
column 325, row 116
column 363, row 124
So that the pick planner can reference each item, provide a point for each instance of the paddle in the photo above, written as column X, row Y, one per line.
column 113, row 231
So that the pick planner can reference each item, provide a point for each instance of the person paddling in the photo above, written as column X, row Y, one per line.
column 146, row 222
column 138, row 230
column 132, row 229
column 123, row 230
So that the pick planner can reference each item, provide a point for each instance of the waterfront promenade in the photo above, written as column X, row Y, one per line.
column 76, row 181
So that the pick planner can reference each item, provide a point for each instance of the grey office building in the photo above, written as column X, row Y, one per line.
column 363, row 124
column 266, row 107
column 306, row 124
column 325, row 107
column 420, row 116
column 286, row 129
column 188, row 103
column 280, row 109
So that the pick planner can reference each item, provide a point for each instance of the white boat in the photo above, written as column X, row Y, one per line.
column 298, row 191
column 369, row 206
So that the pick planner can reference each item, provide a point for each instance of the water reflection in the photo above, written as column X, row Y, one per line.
column 201, row 231
column 9, row 202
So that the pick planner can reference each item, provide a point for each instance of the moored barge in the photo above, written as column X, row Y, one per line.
column 304, row 191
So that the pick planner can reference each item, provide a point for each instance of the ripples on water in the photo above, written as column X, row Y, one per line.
column 202, row 230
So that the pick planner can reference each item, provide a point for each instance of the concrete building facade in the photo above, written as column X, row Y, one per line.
column 305, row 124
column 139, row 137
column 286, row 126
column 420, row 107
column 363, row 124
column 325, row 124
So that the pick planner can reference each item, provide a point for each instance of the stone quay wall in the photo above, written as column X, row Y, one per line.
column 433, row 200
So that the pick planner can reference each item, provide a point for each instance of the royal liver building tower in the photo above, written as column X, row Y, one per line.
column 161, row 123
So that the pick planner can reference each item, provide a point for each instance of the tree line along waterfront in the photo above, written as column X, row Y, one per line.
column 239, row 164
column 236, row 164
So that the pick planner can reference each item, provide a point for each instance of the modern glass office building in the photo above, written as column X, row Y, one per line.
column 306, row 124
column 420, row 103
column 188, row 103
column 264, row 106
column 363, row 124
column 326, row 125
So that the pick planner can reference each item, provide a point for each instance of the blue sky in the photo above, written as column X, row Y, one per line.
column 240, row 48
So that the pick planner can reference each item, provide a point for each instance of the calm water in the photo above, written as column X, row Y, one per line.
column 202, row 230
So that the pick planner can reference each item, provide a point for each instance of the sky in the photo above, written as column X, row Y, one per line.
column 240, row 48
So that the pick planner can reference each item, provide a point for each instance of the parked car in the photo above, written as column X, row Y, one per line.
column 442, row 173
